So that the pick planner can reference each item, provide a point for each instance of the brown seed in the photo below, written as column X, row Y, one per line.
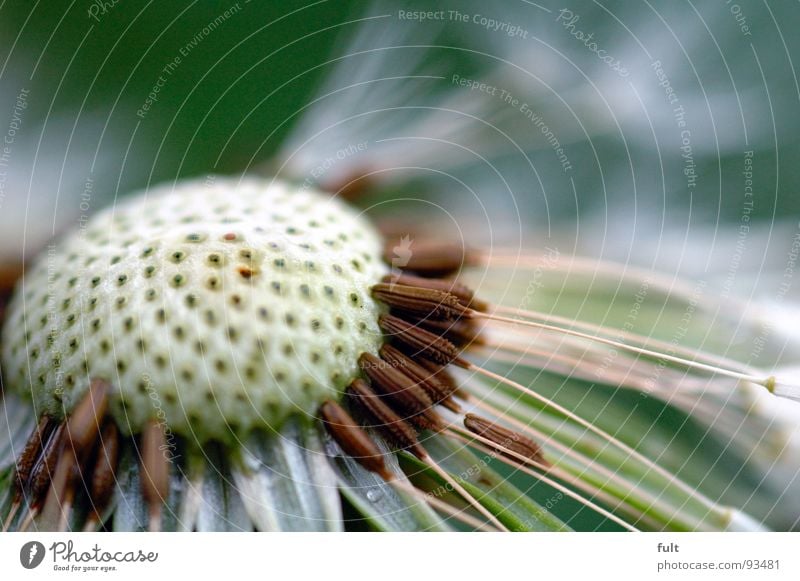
column 83, row 424
column 354, row 185
column 421, row 342
column 67, row 449
column 392, row 426
column 505, row 438
column 45, row 466
column 353, row 439
column 423, row 302
column 9, row 274
column 155, row 471
column 61, row 492
column 453, row 287
column 432, row 258
column 463, row 332
column 32, row 451
column 104, row 473
column 444, row 376
column 402, row 390
column 438, row 392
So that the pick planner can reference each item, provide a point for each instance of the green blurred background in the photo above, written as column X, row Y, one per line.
column 74, row 63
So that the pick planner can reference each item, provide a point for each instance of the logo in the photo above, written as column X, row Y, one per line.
column 402, row 253
column 31, row 554
column 402, row 256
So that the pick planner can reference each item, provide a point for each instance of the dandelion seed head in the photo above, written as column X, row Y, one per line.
column 213, row 307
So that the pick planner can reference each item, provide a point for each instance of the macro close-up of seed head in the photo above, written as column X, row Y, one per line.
column 354, row 267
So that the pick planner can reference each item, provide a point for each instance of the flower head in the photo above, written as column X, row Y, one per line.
column 247, row 351
column 226, row 307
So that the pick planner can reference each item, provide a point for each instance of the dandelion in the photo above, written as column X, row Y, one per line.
column 263, row 354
